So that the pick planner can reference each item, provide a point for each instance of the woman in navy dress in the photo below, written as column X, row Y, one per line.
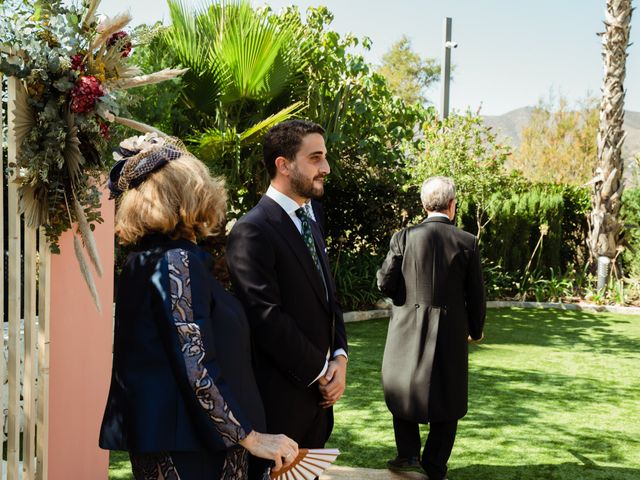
column 183, row 400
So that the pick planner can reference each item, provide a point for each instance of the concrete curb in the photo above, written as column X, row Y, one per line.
column 359, row 316
column 348, row 473
column 582, row 307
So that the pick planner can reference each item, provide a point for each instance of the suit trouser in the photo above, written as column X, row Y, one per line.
column 314, row 437
column 437, row 448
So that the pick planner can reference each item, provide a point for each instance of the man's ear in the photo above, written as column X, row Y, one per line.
column 452, row 209
column 282, row 166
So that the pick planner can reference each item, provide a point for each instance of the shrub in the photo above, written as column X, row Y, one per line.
column 511, row 236
column 630, row 213
column 355, row 276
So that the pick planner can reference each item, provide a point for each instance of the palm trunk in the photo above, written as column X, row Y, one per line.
column 606, row 227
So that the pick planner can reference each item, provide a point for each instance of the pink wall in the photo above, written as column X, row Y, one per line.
column 80, row 359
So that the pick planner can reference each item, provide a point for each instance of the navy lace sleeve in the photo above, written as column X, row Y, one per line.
column 208, row 394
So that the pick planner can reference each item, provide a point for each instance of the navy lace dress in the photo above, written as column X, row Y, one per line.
column 182, row 390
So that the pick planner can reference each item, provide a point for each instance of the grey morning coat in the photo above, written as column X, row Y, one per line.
column 425, row 366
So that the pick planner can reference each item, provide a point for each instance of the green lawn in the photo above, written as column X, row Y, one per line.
column 553, row 395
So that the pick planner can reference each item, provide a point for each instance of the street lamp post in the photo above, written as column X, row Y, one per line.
column 446, row 69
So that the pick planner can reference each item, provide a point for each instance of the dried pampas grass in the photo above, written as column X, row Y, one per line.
column 139, row 126
column 90, row 14
column 87, row 236
column 108, row 27
column 86, row 273
column 157, row 77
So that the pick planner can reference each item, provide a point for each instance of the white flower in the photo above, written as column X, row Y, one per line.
column 141, row 144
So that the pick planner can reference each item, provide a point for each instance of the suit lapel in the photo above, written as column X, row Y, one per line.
column 288, row 231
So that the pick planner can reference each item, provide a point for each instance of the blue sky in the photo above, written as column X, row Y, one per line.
column 511, row 53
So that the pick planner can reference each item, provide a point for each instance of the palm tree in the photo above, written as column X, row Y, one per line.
column 606, row 228
column 241, row 65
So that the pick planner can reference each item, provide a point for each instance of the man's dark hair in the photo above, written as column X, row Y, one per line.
column 284, row 139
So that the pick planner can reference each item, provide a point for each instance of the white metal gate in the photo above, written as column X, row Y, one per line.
column 24, row 367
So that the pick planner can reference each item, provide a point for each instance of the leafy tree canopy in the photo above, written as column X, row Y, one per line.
column 408, row 74
column 463, row 148
column 559, row 142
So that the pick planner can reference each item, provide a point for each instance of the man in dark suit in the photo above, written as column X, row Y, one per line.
column 280, row 272
column 433, row 275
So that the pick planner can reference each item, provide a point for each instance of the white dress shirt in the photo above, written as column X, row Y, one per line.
column 289, row 205
column 438, row 214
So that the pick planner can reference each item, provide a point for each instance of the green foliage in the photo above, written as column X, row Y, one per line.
column 355, row 276
column 463, row 148
column 499, row 283
column 380, row 148
column 559, row 143
column 630, row 214
column 552, row 287
column 365, row 123
column 511, row 235
column 408, row 74
column 371, row 134
column 236, row 53
column 167, row 111
column 515, row 229
column 242, row 68
column 370, row 138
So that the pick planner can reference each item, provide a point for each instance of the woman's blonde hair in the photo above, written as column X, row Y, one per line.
column 181, row 200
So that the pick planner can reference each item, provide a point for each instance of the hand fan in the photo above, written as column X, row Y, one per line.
column 309, row 464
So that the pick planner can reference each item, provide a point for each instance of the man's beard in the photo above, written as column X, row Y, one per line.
column 305, row 187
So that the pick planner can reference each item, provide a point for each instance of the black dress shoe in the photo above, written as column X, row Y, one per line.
column 404, row 464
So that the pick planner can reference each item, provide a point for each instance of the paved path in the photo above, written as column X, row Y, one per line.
column 348, row 473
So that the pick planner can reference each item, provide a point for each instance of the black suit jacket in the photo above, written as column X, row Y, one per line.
column 294, row 321
column 435, row 264
column 151, row 405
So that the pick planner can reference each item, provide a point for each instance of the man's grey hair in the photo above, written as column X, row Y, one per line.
column 437, row 193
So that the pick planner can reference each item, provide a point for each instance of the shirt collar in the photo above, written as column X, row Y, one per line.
column 438, row 214
column 288, row 204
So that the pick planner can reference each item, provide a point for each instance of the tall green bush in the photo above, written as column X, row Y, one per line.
column 630, row 213
column 515, row 228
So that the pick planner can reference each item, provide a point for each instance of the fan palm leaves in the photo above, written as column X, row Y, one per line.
column 236, row 55
column 214, row 143
column 242, row 65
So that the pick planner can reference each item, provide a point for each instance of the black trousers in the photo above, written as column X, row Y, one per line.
column 314, row 437
column 437, row 448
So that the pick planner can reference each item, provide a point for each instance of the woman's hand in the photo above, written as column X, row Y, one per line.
column 279, row 448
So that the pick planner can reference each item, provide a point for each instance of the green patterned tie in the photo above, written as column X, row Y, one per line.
column 308, row 238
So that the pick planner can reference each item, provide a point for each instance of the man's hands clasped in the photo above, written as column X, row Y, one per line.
column 472, row 340
column 334, row 381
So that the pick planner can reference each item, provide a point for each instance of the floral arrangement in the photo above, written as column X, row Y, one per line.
column 69, row 67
